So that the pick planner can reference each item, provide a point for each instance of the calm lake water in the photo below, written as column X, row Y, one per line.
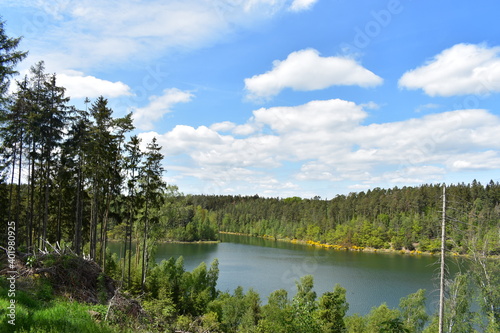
column 265, row 265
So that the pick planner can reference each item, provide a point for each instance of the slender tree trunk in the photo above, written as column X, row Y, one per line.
column 441, row 277
column 12, row 177
column 29, row 230
column 32, row 195
column 124, row 256
column 130, row 246
column 127, row 244
column 144, row 251
column 93, row 223
column 46, row 203
column 78, row 217
column 59, row 208
column 104, row 233
column 18, row 205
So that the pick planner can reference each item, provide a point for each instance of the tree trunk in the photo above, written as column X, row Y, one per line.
column 46, row 204
column 59, row 208
column 78, row 222
column 32, row 195
column 144, row 253
column 18, row 205
column 130, row 246
column 11, row 190
column 104, row 233
column 93, row 224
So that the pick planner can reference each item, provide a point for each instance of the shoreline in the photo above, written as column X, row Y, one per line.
column 173, row 241
column 353, row 248
column 334, row 247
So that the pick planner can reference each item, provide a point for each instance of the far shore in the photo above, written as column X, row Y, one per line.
column 172, row 241
column 317, row 244
column 343, row 248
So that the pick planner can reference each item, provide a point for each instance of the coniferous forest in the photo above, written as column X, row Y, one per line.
column 398, row 218
column 72, row 180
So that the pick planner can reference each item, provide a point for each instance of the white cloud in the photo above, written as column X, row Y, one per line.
column 459, row 70
column 299, row 5
column 415, row 175
column 100, row 32
column 427, row 106
column 306, row 70
column 78, row 86
column 486, row 160
column 326, row 141
column 145, row 117
column 312, row 117
column 225, row 126
column 88, row 33
column 246, row 129
column 183, row 139
column 359, row 187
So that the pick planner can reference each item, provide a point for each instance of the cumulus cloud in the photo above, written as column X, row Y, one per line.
column 312, row 117
column 78, row 86
column 460, row 70
column 414, row 175
column 224, row 126
column 487, row 160
column 306, row 70
column 328, row 141
column 300, row 5
column 87, row 33
column 145, row 117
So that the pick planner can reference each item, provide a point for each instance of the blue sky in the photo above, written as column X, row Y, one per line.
column 286, row 97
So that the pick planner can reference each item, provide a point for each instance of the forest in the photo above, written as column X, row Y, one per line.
column 398, row 218
column 73, row 179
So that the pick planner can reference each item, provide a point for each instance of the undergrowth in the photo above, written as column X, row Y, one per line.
column 42, row 312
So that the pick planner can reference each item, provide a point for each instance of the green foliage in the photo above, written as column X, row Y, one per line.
column 238, row 312
column 382, row 318
column 393, row 326
column 181, row 292
column 162, row 310
column 10, row 58
column 66, row 317
column 332, row 309
column 304, row 306
column 355, row 324
column 48, row 315
column 44, row 289
column 398, row 218
column 413, row 311
column 458, row 316
column 102, row 293
column 182, row 221
column 277, row 314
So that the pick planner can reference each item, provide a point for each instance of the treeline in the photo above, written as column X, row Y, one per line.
column 407, row 217
column 78, row 176
column 69, row 175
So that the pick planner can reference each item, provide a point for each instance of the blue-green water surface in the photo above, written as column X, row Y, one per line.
column 266, row 265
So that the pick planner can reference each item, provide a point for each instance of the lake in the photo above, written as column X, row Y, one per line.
column 266, row 265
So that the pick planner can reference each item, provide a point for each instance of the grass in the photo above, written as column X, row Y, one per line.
column 35, row 315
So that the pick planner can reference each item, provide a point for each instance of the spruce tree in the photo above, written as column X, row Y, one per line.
column 152, row 189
